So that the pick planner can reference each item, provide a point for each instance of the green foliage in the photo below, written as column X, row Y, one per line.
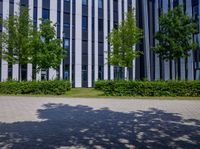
column 122, row 40
column 147, row 88
column 47, row 51
column 15, row 38
column 23, row 44
column 55, row 87
column 175, row 35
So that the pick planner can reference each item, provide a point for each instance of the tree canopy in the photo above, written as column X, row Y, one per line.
column 122, row 40
column 15, row 38
column 47, row 51
column 22, row 43
column 175, row 35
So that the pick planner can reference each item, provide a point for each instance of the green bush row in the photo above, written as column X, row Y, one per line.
column 55, row 87
column 149, row 88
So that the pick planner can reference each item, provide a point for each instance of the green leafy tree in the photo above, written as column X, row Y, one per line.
column 47, row 51
column 175, row 35
column 122, row 41
column 15, row 38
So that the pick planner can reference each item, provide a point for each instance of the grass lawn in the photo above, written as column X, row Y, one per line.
column 92, row 93
column 84, row 92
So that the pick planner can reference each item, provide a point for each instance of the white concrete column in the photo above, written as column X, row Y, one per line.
column 157, row 58
column 105, row 7
column 96, row 43
column 16, row 6
column 190, row 58
column 53, row 18
column 166, row 63
column 111, row 28
column 29, row 66
column 4, row 64
column 134, row 61
column 61, row 36
column 89, row 43
column 120, row 13
column 198, row 35
column 182, row 60
column 39, row 15
column 171, row 4
column 146, row 40
column 125, row 13
column 173, row 62
column 180, row 2
column 71, row 32
column 78, row 45
column 15, row 74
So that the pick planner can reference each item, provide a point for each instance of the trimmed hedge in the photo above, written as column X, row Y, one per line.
column 149, row 88
column 55, row 87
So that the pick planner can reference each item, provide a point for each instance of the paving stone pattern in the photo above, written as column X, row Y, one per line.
column 72, row 123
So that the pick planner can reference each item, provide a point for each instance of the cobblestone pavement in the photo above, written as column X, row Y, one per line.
column 66, row 123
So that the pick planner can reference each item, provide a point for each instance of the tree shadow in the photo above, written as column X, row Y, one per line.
column 82, row 126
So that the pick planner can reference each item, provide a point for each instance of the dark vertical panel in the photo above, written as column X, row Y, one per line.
column 24, row 3
column 93, row 35
column 66, row 38
column 11, row 12
column 45, row 9
column 140, row 73
column 100, row 40
column 35, row 14
column 108, row 33
column 151, row 35
column 73, row 41
column 84, row 44
column 58, row 18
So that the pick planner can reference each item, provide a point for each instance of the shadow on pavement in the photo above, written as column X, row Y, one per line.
column 81, row 126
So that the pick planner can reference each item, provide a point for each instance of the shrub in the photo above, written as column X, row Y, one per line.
column 149, row 88
column 55, row 87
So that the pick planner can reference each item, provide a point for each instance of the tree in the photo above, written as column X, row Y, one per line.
column 175, row 35
column 122, row 41
column 15, row 38
column 47, row 51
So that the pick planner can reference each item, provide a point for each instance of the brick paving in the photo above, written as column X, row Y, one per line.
column 62, row 123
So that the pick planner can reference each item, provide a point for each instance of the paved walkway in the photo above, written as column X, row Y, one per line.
column 58, row 123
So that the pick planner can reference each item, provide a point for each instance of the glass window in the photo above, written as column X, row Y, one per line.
column 45, row 14
column 100, row 24
column 24, row 2
column 24, row 72
column 196, row 15
column 84, row 23
column 100, row 4
column 1, row 7
column 175, row 3
column 84, row 2
column 66, row 72
column 66, row 25
column 66, row 43
column 10, row 71
column 44, row 74
column 100, row 74
column 84, row 73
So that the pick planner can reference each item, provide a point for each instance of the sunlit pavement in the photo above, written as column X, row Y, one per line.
column 62, row 123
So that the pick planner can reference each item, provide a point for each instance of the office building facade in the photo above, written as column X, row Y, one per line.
column 84, row 25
